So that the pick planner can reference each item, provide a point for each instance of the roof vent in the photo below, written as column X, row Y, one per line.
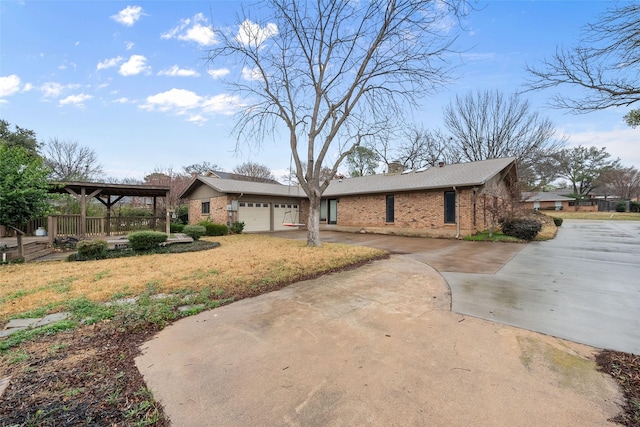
column 441, row 164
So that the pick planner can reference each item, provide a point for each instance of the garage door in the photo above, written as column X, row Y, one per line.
column 285, row 214
column 256, row 216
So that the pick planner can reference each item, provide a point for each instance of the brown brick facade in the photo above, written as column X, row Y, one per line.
column 415, row 213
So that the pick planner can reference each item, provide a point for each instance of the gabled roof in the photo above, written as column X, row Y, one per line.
column 544, row 196
column 233, row 186
column 238, row 177
column 458, row 175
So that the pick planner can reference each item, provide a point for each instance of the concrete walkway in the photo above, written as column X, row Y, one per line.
column 373, row 346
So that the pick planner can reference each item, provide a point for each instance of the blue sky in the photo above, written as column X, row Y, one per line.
column 129, row 79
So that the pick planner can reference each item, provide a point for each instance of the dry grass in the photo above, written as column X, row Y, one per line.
column 241, row 262
column 623, row 216
column 549, row 229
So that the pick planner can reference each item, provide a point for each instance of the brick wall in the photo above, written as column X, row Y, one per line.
column 217, row 209
column 415, row 213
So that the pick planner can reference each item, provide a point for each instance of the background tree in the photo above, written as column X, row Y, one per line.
column 254, row 170
column 70, row 161
column 422, row 148
column 604, row 64
column 583, row 167
column 325, row 72
column 199, row 168
column 23, row 188
column 623, row 182
column 362, row 161
column 176, row 182
column 487, row 125
column 21, row 137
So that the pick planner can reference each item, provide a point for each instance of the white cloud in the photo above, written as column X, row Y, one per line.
column 221, row 104
column 9, row 85
column 180, row 72
column 27, row 87
column 109, row 62
column 51, row 89
column 622, row 143
column 135, row 65
column 251, row 73
column 184, row 102
column 220, row 72
column 128, row 16
column 77, row 43
column 251, row 33
column 129, row 45
column 75, row 100
column 195, row 29
column 123, row 100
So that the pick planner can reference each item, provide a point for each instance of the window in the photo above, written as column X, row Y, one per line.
column 205, row 207
column 249, row 205
column 323, row 210
column 390, row 208
column 449, row 207
column 242, row 204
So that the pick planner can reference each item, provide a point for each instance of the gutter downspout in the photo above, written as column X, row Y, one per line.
column 458, row 212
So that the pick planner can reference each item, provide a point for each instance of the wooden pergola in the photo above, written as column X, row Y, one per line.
column 108, row 195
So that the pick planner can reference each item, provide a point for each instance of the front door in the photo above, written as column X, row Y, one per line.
column 332, row 214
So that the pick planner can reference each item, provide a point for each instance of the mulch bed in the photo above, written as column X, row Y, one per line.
column 85, row 377
column 625, row 369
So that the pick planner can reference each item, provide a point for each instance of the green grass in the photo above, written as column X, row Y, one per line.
column 497, row 237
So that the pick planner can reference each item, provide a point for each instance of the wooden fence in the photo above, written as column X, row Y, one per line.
column 71, row 225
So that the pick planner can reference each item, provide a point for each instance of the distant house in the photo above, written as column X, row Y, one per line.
column 449, row 200
column 546, row 200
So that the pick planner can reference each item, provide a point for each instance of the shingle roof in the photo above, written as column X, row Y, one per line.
column 459, row 175
column 544, row 196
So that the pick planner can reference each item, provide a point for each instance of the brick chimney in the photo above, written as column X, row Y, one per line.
column 395, row 168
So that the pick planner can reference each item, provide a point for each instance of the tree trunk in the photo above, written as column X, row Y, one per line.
column 313, row 222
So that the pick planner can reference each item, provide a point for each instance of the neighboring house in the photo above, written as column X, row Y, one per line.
column 547, row 200
column 450, row 200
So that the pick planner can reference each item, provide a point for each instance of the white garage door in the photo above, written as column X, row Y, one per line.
column 285, row 214
column 256, row 216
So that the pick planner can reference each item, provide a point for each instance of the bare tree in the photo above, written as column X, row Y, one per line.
column 604, row 64
column 624, row 182
column 176, row 182
column 254, row 170
column 70, row 161
column 199, row 168
column 326, row 72
column 486, row 125
column 422, row 148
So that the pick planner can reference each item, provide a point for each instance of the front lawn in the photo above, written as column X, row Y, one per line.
column 81, row 370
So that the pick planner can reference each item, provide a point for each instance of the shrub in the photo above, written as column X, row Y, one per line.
column 194, row 231
column 557, row 221
column 145, row 240
column 92, row 249
column 634, row 207
column 521, row 228
column 237, row 227
column 176, row 227
column 213, row 229
column 621, row 207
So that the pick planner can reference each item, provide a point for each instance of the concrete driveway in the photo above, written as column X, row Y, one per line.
column 584, row 285
column 379, row 345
